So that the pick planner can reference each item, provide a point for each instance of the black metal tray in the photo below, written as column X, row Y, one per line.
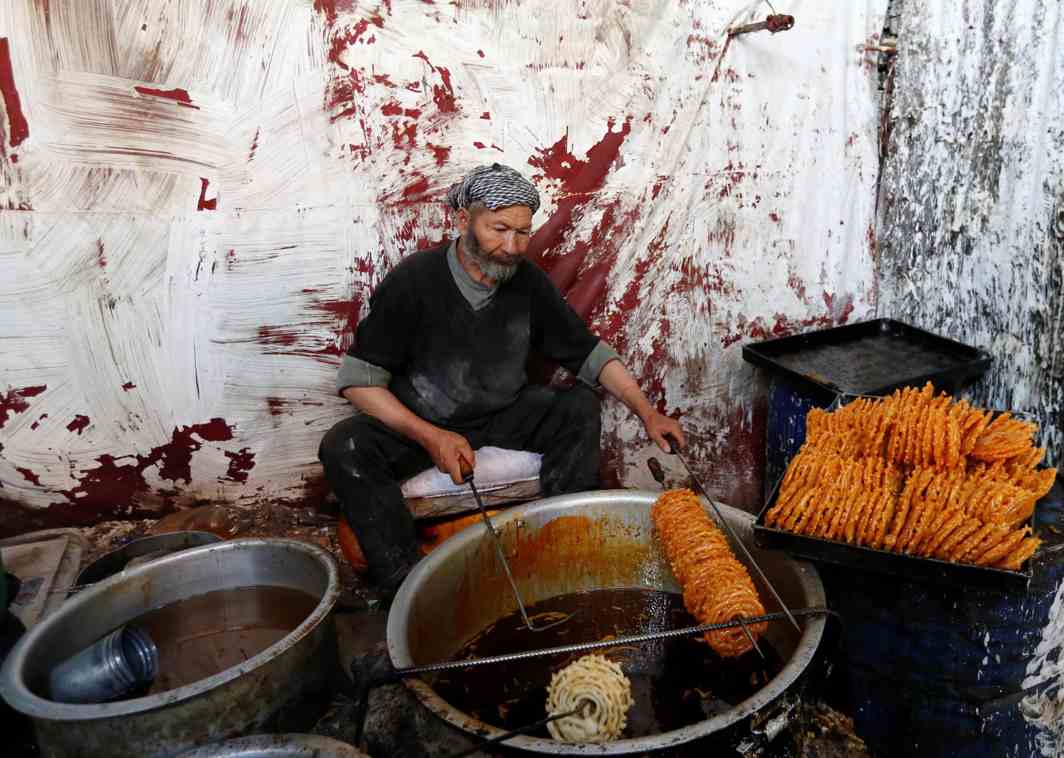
column 909, row 567
column 870, row 358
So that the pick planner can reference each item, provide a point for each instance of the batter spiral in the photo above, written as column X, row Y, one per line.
column 599, row 689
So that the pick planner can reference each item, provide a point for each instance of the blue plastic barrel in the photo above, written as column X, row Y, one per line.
column 935, row 670
column 956, row 671
column 788, row 404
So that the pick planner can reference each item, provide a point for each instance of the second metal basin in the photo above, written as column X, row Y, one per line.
column 232, row 702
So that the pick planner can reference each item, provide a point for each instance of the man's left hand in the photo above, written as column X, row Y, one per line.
column 665, row 431
column 619, row 383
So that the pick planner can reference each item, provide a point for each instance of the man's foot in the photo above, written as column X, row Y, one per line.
column 373, row 668
column 387, row 589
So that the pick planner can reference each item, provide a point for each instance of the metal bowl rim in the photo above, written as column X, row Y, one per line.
column 792, row 669
column 22, row 699
column 146, row 540
column 275, row 745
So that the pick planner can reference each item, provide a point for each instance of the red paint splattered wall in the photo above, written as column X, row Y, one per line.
column 198, row 199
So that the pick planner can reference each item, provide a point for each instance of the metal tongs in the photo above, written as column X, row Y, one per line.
column 659, row 475
column 467, row 478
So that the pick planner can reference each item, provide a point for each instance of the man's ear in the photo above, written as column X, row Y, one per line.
column 463, row 220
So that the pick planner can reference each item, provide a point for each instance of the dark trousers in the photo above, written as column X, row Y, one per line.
column 365, row 461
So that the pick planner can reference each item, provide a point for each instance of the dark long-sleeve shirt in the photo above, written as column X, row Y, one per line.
column 454, row 355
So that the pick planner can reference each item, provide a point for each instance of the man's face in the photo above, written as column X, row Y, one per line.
column 496, row 239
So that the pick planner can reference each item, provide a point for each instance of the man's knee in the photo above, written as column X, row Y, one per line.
column 573, row 465
column 350, row 444
column 337, row 443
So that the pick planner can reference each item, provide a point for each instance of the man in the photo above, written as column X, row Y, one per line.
column 437, row 370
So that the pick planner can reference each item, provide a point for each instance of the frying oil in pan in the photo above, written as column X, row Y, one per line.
column 675, row 682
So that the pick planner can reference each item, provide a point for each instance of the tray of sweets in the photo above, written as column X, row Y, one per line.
column 914, row 485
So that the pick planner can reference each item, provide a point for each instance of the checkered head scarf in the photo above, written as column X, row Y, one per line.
column 496, row 186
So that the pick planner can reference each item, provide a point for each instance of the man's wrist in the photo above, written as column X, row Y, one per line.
column 645, row 411
column 424, row 434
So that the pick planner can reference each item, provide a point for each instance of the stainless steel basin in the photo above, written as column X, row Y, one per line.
column 573, row 543
column 232, row 702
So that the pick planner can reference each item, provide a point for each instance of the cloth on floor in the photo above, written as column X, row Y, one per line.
column 35, row 564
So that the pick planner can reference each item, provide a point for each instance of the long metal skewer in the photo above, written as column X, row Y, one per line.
column 583, row 647
column 502, row 559
column 519, row 731
column 731, row 533
column 750, row 637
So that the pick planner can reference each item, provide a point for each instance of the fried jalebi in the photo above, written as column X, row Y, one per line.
column 961, row 532
column 977, row 421
column 1003, row 438
column 953, row 436
column 920, row 474
column 917, row 510
column 883, row 502
column 979, row 543
column 716, row 586
column 950, row 520
column 970, row 542
column 1020, row 554
column 992, row 540
column 1003, row 548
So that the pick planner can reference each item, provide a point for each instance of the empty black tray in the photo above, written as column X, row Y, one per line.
column 870, row 358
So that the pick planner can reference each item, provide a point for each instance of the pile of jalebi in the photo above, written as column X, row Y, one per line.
column 716, row 586
column 917, row 474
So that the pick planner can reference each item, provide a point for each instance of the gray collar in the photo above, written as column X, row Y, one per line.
column 476, row 294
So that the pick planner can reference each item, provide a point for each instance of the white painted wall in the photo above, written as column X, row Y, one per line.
column 706, row 200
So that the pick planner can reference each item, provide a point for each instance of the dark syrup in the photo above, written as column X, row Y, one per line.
column 675, row 683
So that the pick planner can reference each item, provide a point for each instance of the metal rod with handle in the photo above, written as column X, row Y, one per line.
column 774, row 23
column 674, row 444
column 518, row 732
column 467, row 477
column 585, row 647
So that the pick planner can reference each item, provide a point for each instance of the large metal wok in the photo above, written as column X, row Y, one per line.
column 573, row 543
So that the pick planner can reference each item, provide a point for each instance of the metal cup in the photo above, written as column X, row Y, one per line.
column 114, row 665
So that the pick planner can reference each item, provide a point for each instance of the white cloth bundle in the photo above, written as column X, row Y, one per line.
column 496, row 467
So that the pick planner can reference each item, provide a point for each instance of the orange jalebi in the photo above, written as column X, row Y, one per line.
column 919, row 474
column 716, row 586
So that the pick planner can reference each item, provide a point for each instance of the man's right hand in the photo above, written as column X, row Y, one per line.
column 444, row 447
column 448, row 450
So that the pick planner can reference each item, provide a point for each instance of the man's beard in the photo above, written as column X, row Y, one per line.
column 489, row 267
